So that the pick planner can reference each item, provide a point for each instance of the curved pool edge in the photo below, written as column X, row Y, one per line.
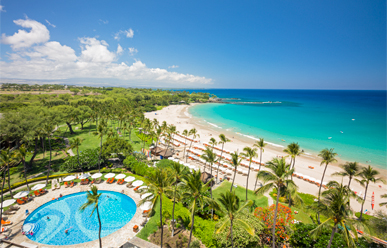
column 115, row 239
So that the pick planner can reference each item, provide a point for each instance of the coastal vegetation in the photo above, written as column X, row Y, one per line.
column 104, row 123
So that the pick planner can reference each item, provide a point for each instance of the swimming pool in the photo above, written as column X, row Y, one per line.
column 115, row 210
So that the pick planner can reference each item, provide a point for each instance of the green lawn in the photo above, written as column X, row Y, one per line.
column 259, row 201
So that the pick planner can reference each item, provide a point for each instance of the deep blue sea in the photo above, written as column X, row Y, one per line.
column 352, row 122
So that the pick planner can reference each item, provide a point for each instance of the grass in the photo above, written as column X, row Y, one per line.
column 160, row 107
column 259, row 201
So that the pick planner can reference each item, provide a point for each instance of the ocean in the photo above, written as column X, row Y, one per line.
column 351, row 122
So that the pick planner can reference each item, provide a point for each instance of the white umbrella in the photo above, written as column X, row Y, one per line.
column 170, row 158
column 110, row 175
column 21, row 194
column 142, row 187
column 229, row 172
column 38, row 186
column 96, row 175
column 120, row 176
column 130, row 179
column 137, row 183
column 8, row 203
column 84, row 176
column 146, row 195
column 69, row 178
column 146, row 205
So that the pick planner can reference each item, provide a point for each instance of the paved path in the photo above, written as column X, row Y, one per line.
column 139, row 243
column 67, row 142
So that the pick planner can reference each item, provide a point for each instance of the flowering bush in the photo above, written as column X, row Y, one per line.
column 284, row 221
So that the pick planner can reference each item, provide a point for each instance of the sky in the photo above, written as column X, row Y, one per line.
column 264, row 44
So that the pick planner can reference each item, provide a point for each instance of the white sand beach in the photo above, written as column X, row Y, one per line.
column 178, row 115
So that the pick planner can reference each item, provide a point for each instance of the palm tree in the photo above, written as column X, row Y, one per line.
column 158, row 183
column 368, row 175
column 92, row 200
column 101, row 131
column 277, row 177
column 260, row 144
column 335, row 206
column 222, row 141
column 178, row 172
column 193, row 189
column 293, row 150
column 194, row 134
column 236, row 161
column 210, row 157
column 249, row 153
column 76, row 143
column 185, row 134
column 213, row 143
column 328, row 156
column 350, row 169
column 383, row 203
column 231, row 209
column 7, row 157
column 22, row 153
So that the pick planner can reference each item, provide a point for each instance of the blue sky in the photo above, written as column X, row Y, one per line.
column 206, row 44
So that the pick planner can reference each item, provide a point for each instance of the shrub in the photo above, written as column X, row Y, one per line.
column 87, row 158
column 240, row 236
column 139, row 168
column 13, row 170
column 118, row 146
column 194, row 244
column 283, row 222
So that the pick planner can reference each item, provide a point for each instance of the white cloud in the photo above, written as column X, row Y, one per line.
column 128, row 33
column 2, row 8
column 103, row 21
column 49, row 23
column 173, row 66
column 38, row 34
column 132, row 51
column 119, row 49
column 54, row 61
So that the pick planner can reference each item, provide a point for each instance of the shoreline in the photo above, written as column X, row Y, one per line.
column 179, row 116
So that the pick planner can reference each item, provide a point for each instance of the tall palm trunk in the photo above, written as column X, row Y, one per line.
column 247, row 180
column 1, row 209
column 99, row 157
column 192, row 225
column 79, row 164
column 362, row 204
column 332, row 235
column 232, row 239
column 99, row 230
column 349, row 183
column 275, row 217
column 319, row 192
column 25, row 174
column 220, row 159
column 49, row 164
column 260, row 164
column 173, row 211
column 161, row 220
column 233, row 180
column 9, row 181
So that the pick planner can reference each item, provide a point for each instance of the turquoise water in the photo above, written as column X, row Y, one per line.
column 115, row 210
column 314, row 119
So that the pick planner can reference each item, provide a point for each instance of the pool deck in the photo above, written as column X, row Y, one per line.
column 115, row 239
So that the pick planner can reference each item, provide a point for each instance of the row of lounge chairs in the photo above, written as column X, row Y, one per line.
column 66, row 184
column 40, row 192
column 11, row 210
column 110, row 180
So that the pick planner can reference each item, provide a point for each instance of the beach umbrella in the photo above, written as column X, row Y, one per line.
column 38, row 186
column 130, row 179
column 146, row 205
column 142, row 187
column 120, row 176
column 229, row 172
column 69, row 178
column 373, row 200
column 146, row 195
column 96, row 175
column 137, row 183
column 84, row 176
column 8, row 203
column 170, row 158
column 110, row 175
column 21, row 194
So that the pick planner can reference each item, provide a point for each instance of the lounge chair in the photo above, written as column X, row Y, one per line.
column 145, row 213
column 42, row 192
column 9, row 212
column 135, row 189
column 36, row 193
column 53, row 186
column 111, row 181
column 99, row 180
column 15, row 208
column 129, row 185
column 57, row 186
column 66, row 184
column 87, row 181
column 5, row 223
column 72, row 184
column 92, row 181
column 82, row 181
column 144, row 222
column 122, row 181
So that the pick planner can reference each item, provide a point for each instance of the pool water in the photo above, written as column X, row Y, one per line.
column 115, row 209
